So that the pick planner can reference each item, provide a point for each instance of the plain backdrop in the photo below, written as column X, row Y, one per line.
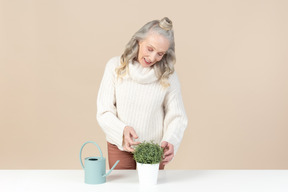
column 232, row 61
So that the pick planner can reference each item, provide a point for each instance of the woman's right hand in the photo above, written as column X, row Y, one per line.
column 129, row 135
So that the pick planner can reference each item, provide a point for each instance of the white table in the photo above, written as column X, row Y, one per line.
column 168, row 180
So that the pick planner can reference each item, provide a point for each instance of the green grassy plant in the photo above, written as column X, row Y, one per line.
column 148, row 153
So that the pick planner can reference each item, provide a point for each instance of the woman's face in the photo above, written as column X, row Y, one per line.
column 152, row 49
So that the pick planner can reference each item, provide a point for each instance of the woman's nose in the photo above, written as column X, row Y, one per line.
column 152, row 57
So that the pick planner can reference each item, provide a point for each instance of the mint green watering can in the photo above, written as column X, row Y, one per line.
column 95, row 167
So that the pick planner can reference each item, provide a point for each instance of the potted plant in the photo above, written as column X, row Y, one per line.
column 148, row 156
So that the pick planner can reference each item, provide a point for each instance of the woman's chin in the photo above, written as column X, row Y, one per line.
column 144, row 64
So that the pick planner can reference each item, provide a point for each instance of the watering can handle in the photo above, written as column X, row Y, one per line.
column 83, row 147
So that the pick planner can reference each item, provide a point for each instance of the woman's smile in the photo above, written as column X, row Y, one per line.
column 148, row 63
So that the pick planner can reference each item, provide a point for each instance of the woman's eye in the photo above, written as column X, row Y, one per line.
column 150, row 49
column 160, row 54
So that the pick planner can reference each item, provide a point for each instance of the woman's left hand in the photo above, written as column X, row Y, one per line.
column 168, row 152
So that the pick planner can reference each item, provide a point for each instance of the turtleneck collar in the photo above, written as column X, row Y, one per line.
column 140, row 74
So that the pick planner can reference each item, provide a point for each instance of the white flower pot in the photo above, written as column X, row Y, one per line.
column 148, row 173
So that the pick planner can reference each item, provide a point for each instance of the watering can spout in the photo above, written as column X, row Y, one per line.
column 111, row 169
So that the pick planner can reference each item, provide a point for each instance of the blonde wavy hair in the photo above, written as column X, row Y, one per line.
column 163, row 68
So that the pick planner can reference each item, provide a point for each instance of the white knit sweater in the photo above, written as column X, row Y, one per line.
column 138, row 100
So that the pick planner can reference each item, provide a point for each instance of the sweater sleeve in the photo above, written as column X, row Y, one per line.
column 175, row 120
column 106, row 105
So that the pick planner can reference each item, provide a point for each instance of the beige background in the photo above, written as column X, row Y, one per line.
column 231, row 58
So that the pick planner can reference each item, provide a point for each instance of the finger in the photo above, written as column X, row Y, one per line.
column 135, row 142
column 133, row 133
column 130, row 141
column 164, row 144
column 168, row 157
column 165, row 163
column 166, row 160
column 128, row 148
column 125, row 148
column 170, row 150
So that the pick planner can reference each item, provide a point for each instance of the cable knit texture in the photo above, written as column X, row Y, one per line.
column 140, row 101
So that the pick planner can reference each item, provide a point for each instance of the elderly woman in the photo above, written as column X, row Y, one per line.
column 139, row 98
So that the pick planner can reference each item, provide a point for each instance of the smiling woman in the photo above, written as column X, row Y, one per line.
column 140, row 98
column 152, row 49
column 155, row 36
